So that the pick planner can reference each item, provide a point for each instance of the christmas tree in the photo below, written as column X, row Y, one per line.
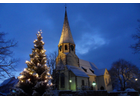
column 35, row 79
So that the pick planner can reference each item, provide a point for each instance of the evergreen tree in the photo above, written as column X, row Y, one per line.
column 35, row 79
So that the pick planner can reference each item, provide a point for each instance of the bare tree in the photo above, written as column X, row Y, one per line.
column 136, row 46
column 7, row 62
column 123, row 74
column 51, row 61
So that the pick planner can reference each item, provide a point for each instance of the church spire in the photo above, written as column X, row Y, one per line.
column 66, row 36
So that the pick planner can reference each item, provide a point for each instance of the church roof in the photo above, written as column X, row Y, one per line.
column 77, row 71
column 91, row 68
column 100, row 72
column 66, row 36
column 88, row 66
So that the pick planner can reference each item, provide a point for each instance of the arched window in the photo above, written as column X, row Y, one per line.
column 83, row 83
column 72, row 47
column 60, row 48
column 62, row 80
column 66, row 48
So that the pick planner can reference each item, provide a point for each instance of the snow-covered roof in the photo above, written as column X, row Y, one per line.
column 88, row 66
column 77, row 71
column 8, row 81
column 100, row 72
column 66, row 36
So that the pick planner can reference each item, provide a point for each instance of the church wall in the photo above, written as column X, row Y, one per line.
column 73, row 83
column 91, row 80
column 72, row 60
column 100, row 82
column 66, row 80
column 79, row 82
column 61, row 56
column 107, row 79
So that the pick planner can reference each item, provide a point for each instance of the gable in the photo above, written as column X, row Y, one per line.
column 100, row 72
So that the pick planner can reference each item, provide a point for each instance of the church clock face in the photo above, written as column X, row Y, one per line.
column 60, row 48
column 72, row 47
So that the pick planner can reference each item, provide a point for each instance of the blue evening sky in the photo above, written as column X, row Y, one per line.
column 102, row 32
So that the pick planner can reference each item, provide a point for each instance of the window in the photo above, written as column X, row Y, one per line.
column 92, row 71
column 60, row 48
column 62, row 80
column 66, row 48
column 72, row 47
column 82, row 82
column 84, row 69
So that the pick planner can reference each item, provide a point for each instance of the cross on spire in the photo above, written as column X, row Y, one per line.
column 65, row 7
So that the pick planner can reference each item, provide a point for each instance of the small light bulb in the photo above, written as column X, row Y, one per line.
column 25, row 69
column 45, row 80
column 48, row 73
column 50, row 77
column 26, row 61
column 28, row 79
column 36, row 75
column 21, row 76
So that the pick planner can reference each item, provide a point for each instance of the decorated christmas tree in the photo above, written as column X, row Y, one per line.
column 35, row 79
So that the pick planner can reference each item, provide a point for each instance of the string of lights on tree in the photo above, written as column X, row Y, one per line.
column 35, row 79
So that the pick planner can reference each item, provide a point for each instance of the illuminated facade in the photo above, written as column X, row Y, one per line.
column 74, row 73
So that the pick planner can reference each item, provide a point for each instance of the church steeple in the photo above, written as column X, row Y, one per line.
column 66, row 46
column 66, row 36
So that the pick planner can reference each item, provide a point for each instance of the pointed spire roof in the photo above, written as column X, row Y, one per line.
column 66, row 36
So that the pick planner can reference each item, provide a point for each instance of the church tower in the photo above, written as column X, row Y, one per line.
column 66, row 46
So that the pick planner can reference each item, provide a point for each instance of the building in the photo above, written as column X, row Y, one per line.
column 7, row 85
column 74, row 73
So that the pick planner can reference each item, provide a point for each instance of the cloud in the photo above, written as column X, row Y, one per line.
column 89, row 42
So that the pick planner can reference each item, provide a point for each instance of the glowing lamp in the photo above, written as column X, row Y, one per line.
column 93, row 83
column 70, row 81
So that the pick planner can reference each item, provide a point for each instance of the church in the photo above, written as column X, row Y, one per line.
column 74, row 73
